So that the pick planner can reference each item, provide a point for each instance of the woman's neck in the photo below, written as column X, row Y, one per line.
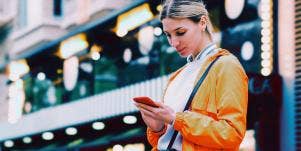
column 205, row 43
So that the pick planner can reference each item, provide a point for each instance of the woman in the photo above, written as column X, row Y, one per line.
column 216, row 119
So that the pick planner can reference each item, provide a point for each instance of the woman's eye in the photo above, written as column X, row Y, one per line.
column 180, row 33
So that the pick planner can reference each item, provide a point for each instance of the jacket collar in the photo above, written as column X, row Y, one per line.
column 207, row 50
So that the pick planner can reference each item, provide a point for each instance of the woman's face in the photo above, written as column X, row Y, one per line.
column 184, row 35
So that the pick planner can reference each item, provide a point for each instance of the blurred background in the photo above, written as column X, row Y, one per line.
column 69, row 68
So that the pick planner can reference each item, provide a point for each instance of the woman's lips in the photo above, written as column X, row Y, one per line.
column 181, row 50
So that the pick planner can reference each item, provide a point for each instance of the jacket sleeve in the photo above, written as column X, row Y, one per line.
column 228, row 129
column 153, row 137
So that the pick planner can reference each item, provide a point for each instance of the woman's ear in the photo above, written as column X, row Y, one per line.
column 203, row 23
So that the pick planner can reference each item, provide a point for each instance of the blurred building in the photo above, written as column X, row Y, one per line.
column 72, row 68
column 39, row 22
column 6, row 22
column 288, row 48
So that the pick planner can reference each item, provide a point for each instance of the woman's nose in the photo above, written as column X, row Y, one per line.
column 174, row 42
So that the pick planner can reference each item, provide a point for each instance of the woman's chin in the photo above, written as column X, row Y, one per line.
column 183, row 55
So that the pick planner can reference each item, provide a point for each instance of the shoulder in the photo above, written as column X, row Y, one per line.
column 228, row 59
column 229, row 64
column 225, row 58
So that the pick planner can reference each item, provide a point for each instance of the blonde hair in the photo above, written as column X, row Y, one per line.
column 190, row 9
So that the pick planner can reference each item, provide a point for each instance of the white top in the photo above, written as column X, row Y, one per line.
column 179, row 90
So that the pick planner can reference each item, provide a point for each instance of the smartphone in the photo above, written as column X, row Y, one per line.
column 145, row 100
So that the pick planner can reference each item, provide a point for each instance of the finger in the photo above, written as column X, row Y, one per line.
column 139, row 106
column 147, row 107
column 144, row 114
column 142, row 111
column 160, row 104
column 148, row 113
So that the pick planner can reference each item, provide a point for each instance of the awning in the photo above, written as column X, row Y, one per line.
column 80, row 29
column 105, row 105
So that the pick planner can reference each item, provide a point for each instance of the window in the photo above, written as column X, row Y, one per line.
column 22, row 13
column 57, row 8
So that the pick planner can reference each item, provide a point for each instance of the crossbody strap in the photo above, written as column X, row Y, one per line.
column 195, row 89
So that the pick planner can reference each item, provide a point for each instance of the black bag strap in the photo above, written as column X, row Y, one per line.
column 195, row 89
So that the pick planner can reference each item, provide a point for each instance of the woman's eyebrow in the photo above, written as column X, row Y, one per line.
column 174, row 29
column 177, row 28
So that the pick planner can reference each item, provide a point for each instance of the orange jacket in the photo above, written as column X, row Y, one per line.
column 217, row 116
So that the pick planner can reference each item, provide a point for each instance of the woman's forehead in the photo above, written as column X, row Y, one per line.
column 171, row 24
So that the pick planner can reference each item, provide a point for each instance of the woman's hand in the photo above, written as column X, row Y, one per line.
column 155, row 117
column 151, row 122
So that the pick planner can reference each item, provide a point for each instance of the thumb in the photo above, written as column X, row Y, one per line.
column 160, row 104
